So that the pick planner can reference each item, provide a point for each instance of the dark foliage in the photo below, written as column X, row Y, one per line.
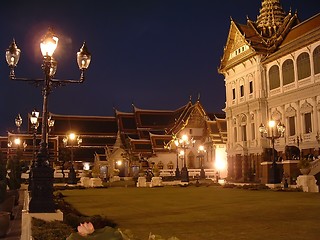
column 73, row 218
column 54, row 230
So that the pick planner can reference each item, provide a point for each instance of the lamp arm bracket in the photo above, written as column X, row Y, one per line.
column 26, row 79
column 64, row 82
column 35, row 82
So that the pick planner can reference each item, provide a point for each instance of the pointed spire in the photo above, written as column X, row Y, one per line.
column 118, row 142
column 271, row 17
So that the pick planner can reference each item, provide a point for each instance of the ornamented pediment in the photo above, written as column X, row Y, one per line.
column 243, row 120
column 306, row 107
column 238, row 45
column 276, row 115
column 196, row 119
column 290, row 111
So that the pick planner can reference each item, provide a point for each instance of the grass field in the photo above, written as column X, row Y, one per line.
column 192, row 213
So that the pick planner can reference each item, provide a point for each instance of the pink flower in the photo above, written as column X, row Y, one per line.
column 85, row 229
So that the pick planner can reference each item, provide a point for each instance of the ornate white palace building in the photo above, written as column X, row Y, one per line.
column 272, row 72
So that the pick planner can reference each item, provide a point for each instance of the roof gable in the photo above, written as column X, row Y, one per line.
column 237, row 45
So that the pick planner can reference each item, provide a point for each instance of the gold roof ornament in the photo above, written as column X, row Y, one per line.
column 270, row 18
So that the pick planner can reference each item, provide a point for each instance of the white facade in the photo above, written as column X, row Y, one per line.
column 271, row 75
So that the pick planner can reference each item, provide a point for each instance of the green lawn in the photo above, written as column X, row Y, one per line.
column 192, row 213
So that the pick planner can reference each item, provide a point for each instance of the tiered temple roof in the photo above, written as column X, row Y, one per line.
column 142, row 131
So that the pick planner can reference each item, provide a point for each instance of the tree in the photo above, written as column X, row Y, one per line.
column 3, row 178
column 14, row 170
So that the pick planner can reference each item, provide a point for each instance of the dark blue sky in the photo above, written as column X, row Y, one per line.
column 152, row 53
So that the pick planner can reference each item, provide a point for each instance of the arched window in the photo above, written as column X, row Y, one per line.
column 316, row 60
column 288, row 72
column 274, row 77
column 303, row 66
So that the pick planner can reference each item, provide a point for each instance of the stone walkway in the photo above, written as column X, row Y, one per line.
column 15, row 224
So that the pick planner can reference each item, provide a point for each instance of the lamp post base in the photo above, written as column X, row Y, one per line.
column 72, row 177
column 274, row 176
column 177, row 177
column 184, row 175
column 202, row 173
column 42, row 190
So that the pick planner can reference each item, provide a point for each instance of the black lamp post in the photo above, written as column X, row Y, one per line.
column 50, row 123
column 177, row 168
column 201, row 151
column 42, row 174
column 183, row 143
column 71, row 138
column 178, row 154
column 275, row 132
column 18, row 122
column 17, row 141
column 35, row 124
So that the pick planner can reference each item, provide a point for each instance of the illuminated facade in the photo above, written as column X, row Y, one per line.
column 272, row 72
column 132, row 136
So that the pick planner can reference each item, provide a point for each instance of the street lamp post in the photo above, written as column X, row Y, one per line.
column 177, row 168
column 71, row 138
column 42, row 174
column 17, row 141
column 35, row 124
column 50, row 123
column 183, row 143
column 201, row 151
column 18, row 122
column 275, row 131
column 178, row 155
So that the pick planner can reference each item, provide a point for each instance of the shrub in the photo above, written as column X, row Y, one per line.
column 14, row 171
column 229, row 185
column 54, row 230
column 255, row 187
column 3, row 190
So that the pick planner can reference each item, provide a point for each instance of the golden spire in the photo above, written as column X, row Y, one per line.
column 270, row 18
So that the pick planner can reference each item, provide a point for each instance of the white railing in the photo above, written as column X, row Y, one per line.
column 167, row 173
column 209, row 172
column 193, row 172
column 315, row 167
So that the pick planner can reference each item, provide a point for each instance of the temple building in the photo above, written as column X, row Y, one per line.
column 128, row 139
column 271, row 69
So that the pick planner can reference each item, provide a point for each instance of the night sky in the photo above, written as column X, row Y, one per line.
column 154, row 54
